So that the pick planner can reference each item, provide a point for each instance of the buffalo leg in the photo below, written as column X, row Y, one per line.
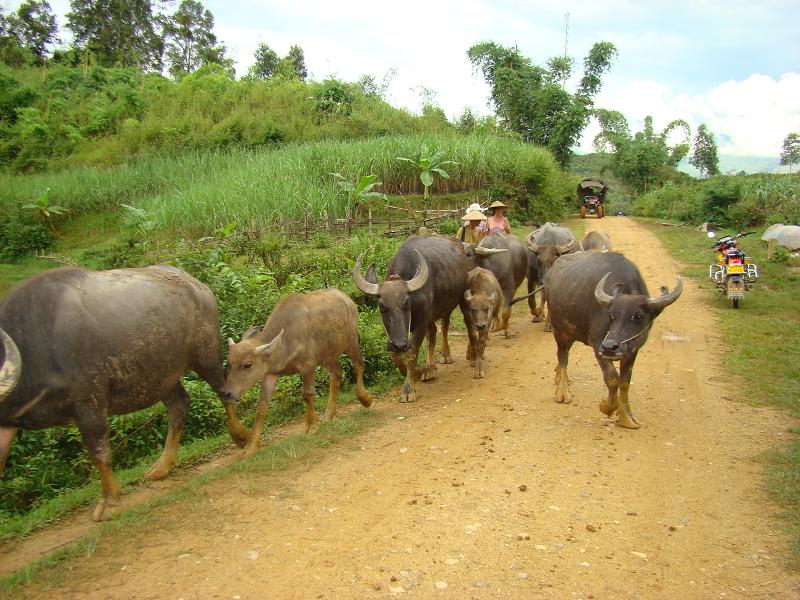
column 92, row 423
column 562, row 381
column 446, row 359
column 430, row 368
column 240, row 434
column 546, row 311
column 358, row 366
column 611, row 378
column 210, row 371
column 335, row 379
column 308, row 397
column 177, row 404
column 267, row 387
column 399, row 361
column 479, row 350
column 626, row 416
column 471, row 334
column 6, row 437
column 409, row 394
column 533, row 303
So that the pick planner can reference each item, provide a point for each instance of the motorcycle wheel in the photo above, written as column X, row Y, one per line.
column 583, row 212
column 601, row 212
column 735, row 302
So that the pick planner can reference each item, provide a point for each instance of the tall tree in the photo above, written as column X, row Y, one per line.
column 296, row 60
column 646, row 158
column 704, row 154
column 266, row 61
column 190, row 41
column 531, row 100
column 117, row 32
column 790, row 155
column 34, row 26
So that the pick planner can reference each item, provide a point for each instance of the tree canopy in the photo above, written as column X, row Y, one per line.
column 704, row 154
column 790, row 154
column 532, row 101
column 190, row 40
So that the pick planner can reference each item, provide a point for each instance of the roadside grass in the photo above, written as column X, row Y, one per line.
column 201, row 450
column 287, row 452
column 761, row 344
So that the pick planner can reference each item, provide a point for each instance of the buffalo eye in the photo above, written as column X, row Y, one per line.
column 382, row 308
column 637, row 316
column 610, row 316
column 248, row 364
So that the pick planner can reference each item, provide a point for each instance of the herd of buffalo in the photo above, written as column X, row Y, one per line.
column 79, row 346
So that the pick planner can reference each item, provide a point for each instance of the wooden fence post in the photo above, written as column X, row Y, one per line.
column 771, row 245
column 369, row 220
column 305, row 226
column 325, row 220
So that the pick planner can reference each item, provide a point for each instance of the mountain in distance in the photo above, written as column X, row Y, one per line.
column 731, row 164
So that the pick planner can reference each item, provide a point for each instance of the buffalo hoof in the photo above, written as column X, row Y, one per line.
column 105, row 511
column 606, row 408
column 548, row 327
column 471, row 362
column 251, row 449
column 408, row 394
column 628, row 421
column 480, row 374
column 364, row 398
column 536, row 319
column 509, row 334
column 428, row 374
column 158, row 471
column 445, row 360
column 563, row 398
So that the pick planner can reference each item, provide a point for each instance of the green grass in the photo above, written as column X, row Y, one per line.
column 761, row 343
column 288, row 452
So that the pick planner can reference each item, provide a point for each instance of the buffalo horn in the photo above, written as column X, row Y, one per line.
column 270, row 346
column 489, row 251
column 365, row 286
column 667, row 298
column 11, row 367
column 532, row 245
column 422, row 274
column 600, row 291
column 566, row 248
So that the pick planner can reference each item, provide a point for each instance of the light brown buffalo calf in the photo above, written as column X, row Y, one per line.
column 303, row 331
column 484, row 298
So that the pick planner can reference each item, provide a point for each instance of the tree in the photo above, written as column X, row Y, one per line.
column 117, row 32
column 531, row 100
column 296, row 62
column 34, row 26
column 266, row 62
column 704, row 155
column 645, row 159
column 790, row 155
column 190, row 41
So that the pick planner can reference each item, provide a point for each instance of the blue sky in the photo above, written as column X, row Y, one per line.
column 733, row 65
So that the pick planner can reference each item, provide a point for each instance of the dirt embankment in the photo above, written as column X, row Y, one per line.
column 489, row 489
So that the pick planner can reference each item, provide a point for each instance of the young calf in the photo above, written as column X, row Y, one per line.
column 484, row 298
column 303, row 331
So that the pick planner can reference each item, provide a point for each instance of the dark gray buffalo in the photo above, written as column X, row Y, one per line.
column 303, row 331
column 96, row 344
column 506, row 257
column 596, row 240
column 426, row 279
column 545, row 245
column 600, row 299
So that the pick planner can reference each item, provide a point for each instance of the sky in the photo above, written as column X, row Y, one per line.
column 733, row 65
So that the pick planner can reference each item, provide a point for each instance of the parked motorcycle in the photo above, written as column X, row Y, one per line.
column 734, row 273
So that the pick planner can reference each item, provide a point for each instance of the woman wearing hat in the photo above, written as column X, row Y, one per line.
column 471, row 231
column 497, row 222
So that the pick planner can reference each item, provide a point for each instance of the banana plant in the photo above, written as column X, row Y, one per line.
column 45, row 210
column 358, row 192
column 429, row 163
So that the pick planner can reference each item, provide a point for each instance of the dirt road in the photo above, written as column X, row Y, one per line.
column 489, row 489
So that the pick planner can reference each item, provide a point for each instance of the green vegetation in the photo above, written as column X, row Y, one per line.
column 761, row 342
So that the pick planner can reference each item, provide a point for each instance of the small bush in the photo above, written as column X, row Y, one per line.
column 21, row 235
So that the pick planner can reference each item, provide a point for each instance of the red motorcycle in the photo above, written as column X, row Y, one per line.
column 734, row 273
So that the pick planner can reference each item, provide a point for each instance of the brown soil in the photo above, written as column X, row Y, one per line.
column 489, row 489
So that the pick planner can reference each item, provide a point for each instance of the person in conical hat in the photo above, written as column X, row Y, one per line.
column 471, row 231
column 497, row 222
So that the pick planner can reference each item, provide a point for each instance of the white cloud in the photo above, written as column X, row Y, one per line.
column 750, row 117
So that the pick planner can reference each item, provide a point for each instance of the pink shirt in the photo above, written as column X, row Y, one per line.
column 497, row 223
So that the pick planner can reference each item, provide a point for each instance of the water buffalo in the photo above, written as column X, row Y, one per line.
column 545, row 245
column 303, row 331
column 10, row 365
column 615, row 325
column 96, row 344
column 596, row 240
column 484, row 298
column 505, row 256
column 426, row 280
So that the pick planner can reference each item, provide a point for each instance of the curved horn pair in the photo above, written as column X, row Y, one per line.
column 11, row 368
column 412, row 284
column 659, row 303
column 565, row 248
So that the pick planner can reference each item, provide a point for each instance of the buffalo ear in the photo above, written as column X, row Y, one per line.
column 616, row 290
column 254, row 330
column 270, row 347
column 371, row 276
column 468, row 295
column 493, row 296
